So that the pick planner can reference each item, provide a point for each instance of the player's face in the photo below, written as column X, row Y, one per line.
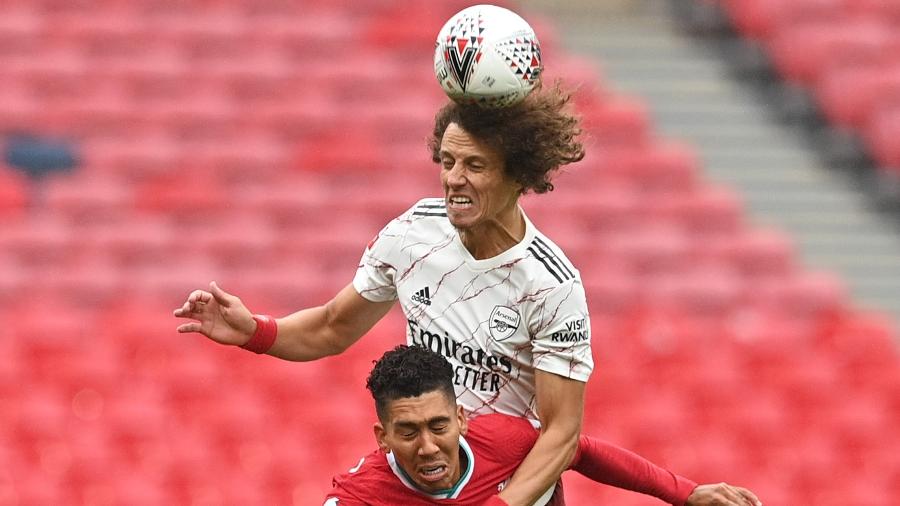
column 476, row 188
column 423, row 433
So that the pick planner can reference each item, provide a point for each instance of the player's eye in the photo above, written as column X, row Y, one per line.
column 447, row 163
column 439, row 429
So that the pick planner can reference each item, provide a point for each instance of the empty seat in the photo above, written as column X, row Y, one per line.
column 762, row 19
column 84, row 199
column 617, row 120
column 850, row 96
column 803, row 52
column 879, row 135
column 14, row 193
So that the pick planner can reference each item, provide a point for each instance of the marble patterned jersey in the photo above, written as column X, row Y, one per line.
column 496, row 320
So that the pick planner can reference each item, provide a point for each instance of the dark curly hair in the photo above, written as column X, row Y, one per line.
column 408, row 371
column 535, row 137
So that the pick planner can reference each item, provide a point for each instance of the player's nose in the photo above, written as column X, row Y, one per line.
column 428, row 446
column 456, row 176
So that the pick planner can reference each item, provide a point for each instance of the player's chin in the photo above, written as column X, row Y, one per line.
column 462, row 218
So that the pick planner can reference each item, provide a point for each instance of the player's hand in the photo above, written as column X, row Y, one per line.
column 722, row 494
column 218, row 315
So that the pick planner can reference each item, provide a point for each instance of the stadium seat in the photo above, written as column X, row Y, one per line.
column 761, row 19
column 660, row 167
column 851, row 95
column 760, row 253
column 617, row 120
column 802, row 52
column 880, row 132
column 262, row 144
column 83, row 199
column 14, row 194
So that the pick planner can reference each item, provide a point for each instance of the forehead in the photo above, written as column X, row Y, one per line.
column 460, row 143
column 421, row 409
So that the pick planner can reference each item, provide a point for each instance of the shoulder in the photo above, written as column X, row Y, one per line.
column 502, row 438
column 550, row 262
column 424, row 213
column 418, row 219
column 433, row 207
column 370, row 473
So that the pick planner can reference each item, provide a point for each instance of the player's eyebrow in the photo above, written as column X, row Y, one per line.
column 409, row 424
column 467, row 158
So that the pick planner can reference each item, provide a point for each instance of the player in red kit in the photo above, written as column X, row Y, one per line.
column 429, row 453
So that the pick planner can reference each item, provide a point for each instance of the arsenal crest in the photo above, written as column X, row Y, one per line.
column 503, row 322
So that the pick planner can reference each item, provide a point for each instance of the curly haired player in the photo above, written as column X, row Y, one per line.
column 477, row 282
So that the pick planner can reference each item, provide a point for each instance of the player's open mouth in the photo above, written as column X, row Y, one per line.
column 459, row 203
column 433, row 473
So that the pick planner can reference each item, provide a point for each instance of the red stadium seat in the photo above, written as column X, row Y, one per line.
column 180, row 198
column 851, row 96
column 134, row 159
column 256, row 144
column 802, row 52
column 881, row 132
column 762, row 19
column 84, row 199
column 617, row 120
column 659, row 167
column 760, row 253
column 14, row 194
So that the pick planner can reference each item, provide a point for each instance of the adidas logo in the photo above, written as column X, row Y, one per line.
column 423, row 296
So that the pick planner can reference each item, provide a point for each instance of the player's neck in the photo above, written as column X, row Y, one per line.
column 495, row 236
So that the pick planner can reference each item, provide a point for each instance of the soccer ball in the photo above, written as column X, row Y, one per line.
column 487, row 55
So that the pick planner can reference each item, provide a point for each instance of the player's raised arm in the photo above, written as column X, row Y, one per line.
column 560, row 407
column 308, row 334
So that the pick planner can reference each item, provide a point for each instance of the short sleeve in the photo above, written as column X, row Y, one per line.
column 374, row 279
column 561, row 332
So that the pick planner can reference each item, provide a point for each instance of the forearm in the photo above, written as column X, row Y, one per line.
column 306, row 335
column 317, row 332
column 609, row 464
column 551, row 455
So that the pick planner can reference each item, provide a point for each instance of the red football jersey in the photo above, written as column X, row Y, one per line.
column 495, row 445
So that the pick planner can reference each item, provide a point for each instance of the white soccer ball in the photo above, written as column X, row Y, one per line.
column 487, row 55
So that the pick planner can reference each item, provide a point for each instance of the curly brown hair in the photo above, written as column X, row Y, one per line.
column 535, row 137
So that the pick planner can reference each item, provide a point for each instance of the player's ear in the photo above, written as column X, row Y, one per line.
column 462, row 420
column 381, row 437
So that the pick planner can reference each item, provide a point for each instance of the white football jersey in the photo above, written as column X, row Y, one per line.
column 496, row 320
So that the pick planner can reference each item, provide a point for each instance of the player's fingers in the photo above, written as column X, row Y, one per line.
column 189, row 327
column 199, row 296
column 749, row 496
column 733, row 495
column 185, row 309
column 222, row 297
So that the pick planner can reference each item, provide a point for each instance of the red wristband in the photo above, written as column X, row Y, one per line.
column 264, row 337
column 495, row 500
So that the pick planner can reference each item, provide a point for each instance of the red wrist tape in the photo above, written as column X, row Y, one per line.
column 495, row 500
column 264, row 337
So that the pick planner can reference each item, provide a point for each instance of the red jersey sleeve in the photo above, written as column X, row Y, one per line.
column 609, row 464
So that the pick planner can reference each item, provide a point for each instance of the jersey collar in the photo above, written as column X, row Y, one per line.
column 517, row 251
column 450, row 493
